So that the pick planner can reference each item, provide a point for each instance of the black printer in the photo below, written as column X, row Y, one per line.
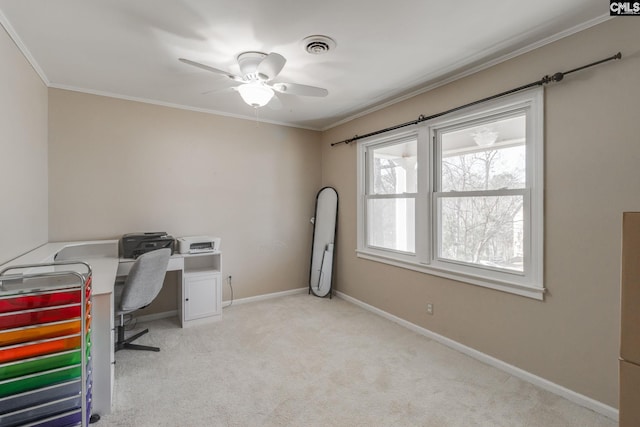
column 133, row 245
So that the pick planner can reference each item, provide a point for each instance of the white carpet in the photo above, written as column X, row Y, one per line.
column 305, row 361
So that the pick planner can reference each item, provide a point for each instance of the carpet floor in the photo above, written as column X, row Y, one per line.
column 305, row 361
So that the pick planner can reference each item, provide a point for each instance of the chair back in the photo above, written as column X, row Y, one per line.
column 144, row 281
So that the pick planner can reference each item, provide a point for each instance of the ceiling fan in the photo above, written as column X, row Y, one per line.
column 258, row 70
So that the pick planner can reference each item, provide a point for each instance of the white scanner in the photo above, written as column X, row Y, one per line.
column 198, row 244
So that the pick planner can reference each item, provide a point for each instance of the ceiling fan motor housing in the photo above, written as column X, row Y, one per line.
column 248, row 62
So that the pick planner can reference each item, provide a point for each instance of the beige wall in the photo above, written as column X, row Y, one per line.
column 23, row 153
column 119, row 166
column 592, row 175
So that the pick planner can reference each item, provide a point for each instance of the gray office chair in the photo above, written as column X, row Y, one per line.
column 140, row 288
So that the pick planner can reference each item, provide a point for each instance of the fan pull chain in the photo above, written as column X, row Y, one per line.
column 257, row 121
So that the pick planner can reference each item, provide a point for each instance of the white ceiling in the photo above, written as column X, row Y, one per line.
column 385, row 49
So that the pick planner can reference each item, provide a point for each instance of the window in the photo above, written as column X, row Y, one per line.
column 459, row 196
column 392, row 189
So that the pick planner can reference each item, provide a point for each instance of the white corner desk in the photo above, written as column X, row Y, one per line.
column 199, row 296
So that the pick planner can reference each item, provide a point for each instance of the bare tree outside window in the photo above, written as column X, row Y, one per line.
column 479, row 225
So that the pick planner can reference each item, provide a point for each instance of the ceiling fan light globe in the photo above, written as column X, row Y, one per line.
column 255, row 94
column 485, row 137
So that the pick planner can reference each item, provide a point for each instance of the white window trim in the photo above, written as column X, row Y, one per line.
column 395, row 138
column 529, row 284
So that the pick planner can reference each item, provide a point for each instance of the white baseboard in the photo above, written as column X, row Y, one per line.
column 156, row 316
column 266, row 296
column 571, row 395
column 172, row 313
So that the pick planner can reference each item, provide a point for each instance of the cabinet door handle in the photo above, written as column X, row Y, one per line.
column 186, row 299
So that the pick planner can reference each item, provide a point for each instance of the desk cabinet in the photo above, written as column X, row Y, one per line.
column 201, row 300
column 201, row 296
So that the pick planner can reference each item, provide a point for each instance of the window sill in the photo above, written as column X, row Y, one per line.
column 513, row 288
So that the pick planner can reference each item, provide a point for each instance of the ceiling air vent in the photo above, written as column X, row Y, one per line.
column 318, row 45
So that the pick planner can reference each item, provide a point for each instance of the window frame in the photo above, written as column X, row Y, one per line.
column 368, row 195
column 529, row 283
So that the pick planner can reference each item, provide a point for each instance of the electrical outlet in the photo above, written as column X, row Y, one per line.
column 430, row 308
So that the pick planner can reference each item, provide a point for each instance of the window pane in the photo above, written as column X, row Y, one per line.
column 489, row 156
column 391, row 224
column 395, row 169
column 487, row 231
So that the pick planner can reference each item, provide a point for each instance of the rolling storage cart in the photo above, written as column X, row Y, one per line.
column 45, row 345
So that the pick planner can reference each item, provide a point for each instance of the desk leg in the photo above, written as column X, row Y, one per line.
column 102, row 353
column 180, row 297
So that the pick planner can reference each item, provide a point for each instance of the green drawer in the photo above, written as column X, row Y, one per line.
column 41, row 379
column 39, row 364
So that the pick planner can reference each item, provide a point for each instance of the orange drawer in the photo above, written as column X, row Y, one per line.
column 23, row 351
column 41, row 332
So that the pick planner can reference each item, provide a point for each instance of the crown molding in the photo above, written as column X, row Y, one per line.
column 13, row 35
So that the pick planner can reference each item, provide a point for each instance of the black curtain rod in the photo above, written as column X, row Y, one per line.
column 546, row 79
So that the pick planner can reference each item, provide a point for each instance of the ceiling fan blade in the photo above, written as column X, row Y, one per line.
column 208, row 68
column 298, row 89
column 271, row 66
column 220, row 90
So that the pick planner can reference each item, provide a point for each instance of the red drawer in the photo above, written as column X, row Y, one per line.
column 40, row 300
column 38, row 316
